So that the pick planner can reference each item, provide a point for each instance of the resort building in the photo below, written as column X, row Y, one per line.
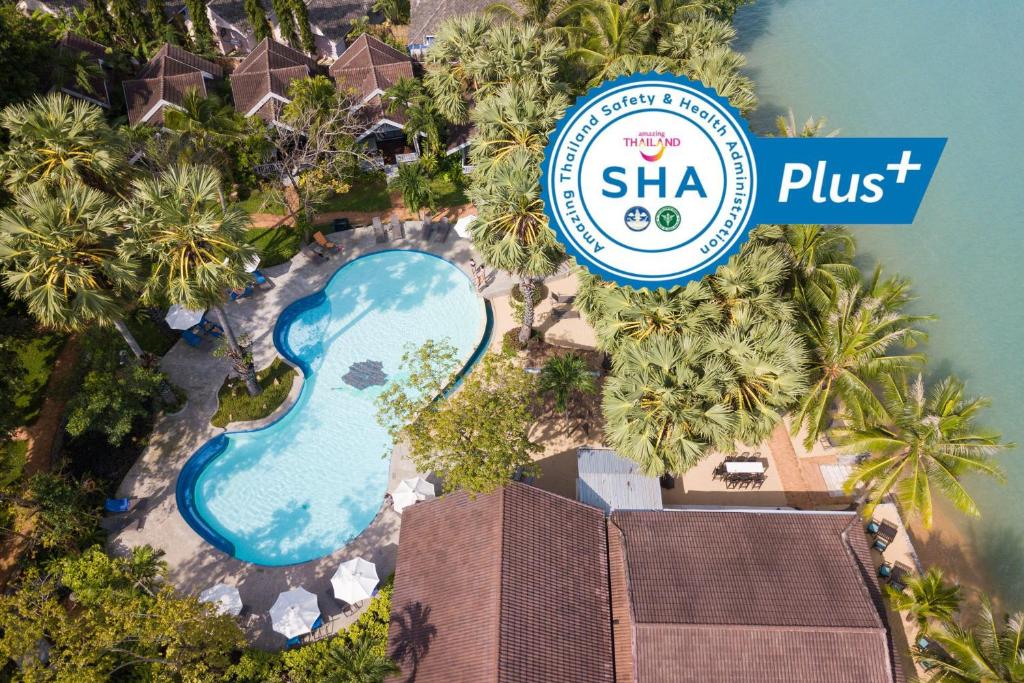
column 367, row 68
column 610, row 482
column 526, row 585
column 426, row 17
column 164, row 81
column 88, row 50
column 259, row 85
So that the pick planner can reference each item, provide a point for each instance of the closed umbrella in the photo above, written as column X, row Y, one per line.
column 410, row 491
column 180, row 318
column 462, row 225
column 294, row 613
column 224, row 597
column 252, row 264
column 355, row 580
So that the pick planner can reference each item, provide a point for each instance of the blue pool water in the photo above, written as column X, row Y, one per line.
column 305, row 485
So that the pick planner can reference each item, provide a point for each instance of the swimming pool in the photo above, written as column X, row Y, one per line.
column 305, row 485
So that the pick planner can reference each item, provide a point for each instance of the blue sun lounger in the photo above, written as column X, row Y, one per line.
column 191, row 338
column 118, row 504
column 235, row 296
column 297, row 640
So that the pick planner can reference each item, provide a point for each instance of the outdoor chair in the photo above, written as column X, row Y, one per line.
column 261, row 280
column 872, row 527
column 896, row 576
column 211, row 328
column 397, row 228
column 719, row 472
column 428, row 230
column 442, row 230
column 317, row 250
column 319, row 238
column 563, row 298
column 565, row 313
column 236, row 296
column 380, row 236
column 121, row 505
column 191, row 338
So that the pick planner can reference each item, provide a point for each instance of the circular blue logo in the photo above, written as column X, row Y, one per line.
column 652, row 148
column 637, row 218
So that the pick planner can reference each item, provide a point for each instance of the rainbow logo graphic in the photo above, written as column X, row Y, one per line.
column 656, row 155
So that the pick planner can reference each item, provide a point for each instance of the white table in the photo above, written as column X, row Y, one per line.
column 744, row 467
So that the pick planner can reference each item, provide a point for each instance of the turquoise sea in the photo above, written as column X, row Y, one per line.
column 942, row 68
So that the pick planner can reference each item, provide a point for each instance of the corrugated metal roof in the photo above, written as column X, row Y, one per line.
column 610, row 482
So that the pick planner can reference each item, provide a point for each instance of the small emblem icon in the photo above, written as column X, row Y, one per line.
column 667, row 218
column 637, row 218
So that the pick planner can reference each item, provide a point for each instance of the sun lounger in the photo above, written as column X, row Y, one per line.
column 563, row 298
column 319, row 238
column 885, row 535
column 211, row 328
column 317, row 250
column 441, row 231
column 236, row 295
column 379, row 234
column 261, row 280
column 565, row 313
column 120, row 505
column 397, row 229
column 897, row 575
column 872, row 527
column 191, row 338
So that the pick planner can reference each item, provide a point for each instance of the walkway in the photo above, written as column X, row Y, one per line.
column 194, row 564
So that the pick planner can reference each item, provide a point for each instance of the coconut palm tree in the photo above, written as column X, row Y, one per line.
column 413, row 183
column 919, row 442
column 608, row 31
column 203, row 125
column 720, row 68
column 853, row 344
column 663, row 404
column 821, row 263
column 59, row 251
column 196, row 247
column 988, row 652
column 698, row 33
column 360, row 662
column 563, row 376
column 56, row 139
column 512, row 231
column 927, row 598
column 811, row 128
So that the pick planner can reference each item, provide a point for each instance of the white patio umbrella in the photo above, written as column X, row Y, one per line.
column 180, row 318
column 294, row 612
column 253, row 263
column 355, row 580
column 462, row 225
column 410, row 491
column 225, row 597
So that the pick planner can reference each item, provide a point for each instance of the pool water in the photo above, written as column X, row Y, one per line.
column 305, row 485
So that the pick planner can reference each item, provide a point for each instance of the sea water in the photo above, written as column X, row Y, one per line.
column 952, row 69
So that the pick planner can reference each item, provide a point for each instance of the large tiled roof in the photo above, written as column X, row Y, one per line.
column 268, row 70
column 510, row 586
column 170, row 74
column 99, row 90
column 426, row 16
column 369, row 65
column 751, row 596
column 334, row 17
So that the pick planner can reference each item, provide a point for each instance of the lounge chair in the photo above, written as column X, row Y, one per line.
column 119, row 505
column 380, row 236
column 872, row 527
column 899, row 572
column 319, row 238
column 563, row 298
column 211, row 328
column 261, row 280
column 886, row 532
column 317, row 250
column 565, row 313
column 191, row 338
column 235, row 295
column 442, row 230
column 397, row 229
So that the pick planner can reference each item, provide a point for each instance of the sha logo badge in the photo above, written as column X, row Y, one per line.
column 650, row 149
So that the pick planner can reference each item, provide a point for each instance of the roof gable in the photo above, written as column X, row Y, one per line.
column 165, row 79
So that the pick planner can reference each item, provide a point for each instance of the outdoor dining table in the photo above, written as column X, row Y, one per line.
column 744, row 466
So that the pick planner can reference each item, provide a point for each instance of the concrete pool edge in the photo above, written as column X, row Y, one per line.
column 208, row 452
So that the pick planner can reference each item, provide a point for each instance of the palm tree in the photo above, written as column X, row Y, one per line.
column 512, row 231
column 59, row 251
column 811, row 128
column 608, row 31
column 663, row 404
column 77, row 70
column 720, row 68
column 414, row 184
column 360, row 662
column 821, row 263
column 565, row 375
column 921, row 441
column 197, row 248
column 989, row 652
column 627, row 314
column 851, row 346
column 56, row 139
column 927, row 598
column 203, row 125
column 518, row 115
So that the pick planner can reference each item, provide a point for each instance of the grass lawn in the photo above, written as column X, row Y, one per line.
column 365, row 195
column 37, row 356
column 236, row 404
column 263, row 202
column 448, row 193
column 275, row 245
column 152, row 337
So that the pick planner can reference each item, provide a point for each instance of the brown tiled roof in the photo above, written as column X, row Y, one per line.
column 269, row 69
column 511, row 586
column 426, row 16
column 369, row 65
column 170, row 74
column 99, row 86
column 752, row 596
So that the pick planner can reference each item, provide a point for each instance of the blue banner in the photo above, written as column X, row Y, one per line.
column 853, row 181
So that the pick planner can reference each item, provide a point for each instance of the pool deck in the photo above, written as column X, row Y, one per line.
column 193, row 564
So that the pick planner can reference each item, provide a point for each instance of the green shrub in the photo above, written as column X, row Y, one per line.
column 236, row 405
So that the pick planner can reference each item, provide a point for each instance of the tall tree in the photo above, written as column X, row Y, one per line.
column 202, row 34
column 25, row 51
column 257, row 17
column 285, row 21
column 360, row 662
column 565, row 376
column 851, row 345
column 989, row 651
column 60, row 254
column 197, row 248
column 413, row 183
column 476, row 439
column 57, row 139
column 927, row 598
column 919, row 442
column 306, row 40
